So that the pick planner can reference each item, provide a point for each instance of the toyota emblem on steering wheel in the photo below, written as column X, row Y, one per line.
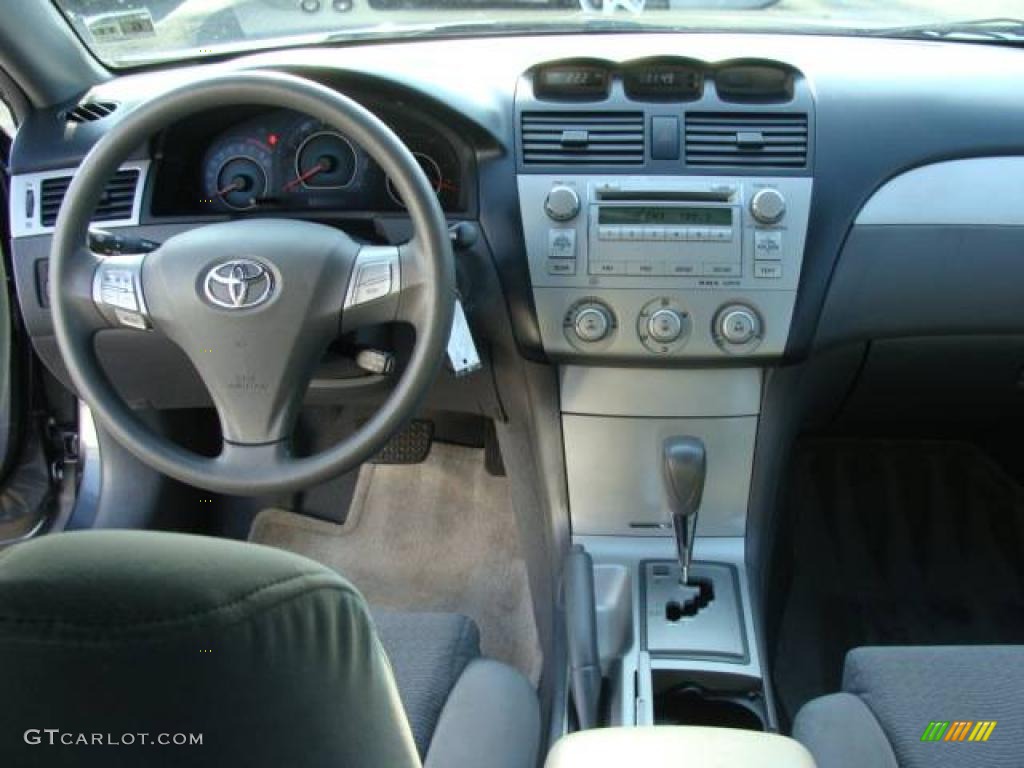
column 238, row 284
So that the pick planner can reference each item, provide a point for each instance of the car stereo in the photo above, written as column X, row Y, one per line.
column 630, row 267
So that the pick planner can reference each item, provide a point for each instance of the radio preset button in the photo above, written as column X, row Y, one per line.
column 562, row 244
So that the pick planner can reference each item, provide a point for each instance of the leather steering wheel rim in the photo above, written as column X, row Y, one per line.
column 428, row 286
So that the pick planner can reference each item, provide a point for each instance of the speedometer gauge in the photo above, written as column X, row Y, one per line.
column 238, row 174
column 430, row 167
column 322, row 159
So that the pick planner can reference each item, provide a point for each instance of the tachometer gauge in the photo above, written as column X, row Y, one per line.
column 434, row 174
column 324, row 159
column 238, row 174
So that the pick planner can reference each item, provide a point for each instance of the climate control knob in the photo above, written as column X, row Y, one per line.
column 738, row 327
column 562, row 203
column 592, row 323
column 768, row 206
column 665, row 326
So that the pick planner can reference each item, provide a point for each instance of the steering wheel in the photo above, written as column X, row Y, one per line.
column 253, row 303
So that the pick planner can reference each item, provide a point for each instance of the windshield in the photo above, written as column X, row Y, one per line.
column 124, row 33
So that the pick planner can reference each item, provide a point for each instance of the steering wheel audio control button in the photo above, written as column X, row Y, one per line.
column 117, row 290
column 376, row 275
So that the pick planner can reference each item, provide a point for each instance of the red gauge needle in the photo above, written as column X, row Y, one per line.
column 447, row 185
column 237, row 184
column 318, row 168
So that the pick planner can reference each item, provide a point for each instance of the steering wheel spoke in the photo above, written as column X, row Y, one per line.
column 374, row 288
column 117, row 291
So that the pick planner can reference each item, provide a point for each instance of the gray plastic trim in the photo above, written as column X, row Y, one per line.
column 26, row 223
column 981, row 190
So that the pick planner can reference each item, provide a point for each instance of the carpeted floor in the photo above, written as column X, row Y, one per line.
column 895, row 542
column 436, row 536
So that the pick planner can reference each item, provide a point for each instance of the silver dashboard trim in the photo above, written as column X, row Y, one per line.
column 25, row 225
column 983, row 191
column 660, row 392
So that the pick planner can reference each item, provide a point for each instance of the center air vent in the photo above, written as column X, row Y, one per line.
column 116, row 203
column 583, row 138
column 90, row 111
column 749, row 140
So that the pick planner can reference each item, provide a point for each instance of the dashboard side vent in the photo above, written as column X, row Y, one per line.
column 89, row 112
column 116, row 203
column 583, row 138
column 746, row 139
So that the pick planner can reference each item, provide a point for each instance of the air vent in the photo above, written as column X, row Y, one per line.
column 750, row 140
column 583, row 138
column 90, row 111
column 115, row 204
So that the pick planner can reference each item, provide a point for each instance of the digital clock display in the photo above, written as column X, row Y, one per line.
column 663, row 82
column 572, row 81
column 674, row 215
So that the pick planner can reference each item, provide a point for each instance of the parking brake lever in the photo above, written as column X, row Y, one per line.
column 581, row 631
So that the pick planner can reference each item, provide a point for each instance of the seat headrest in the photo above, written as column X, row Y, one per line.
column 265, row 657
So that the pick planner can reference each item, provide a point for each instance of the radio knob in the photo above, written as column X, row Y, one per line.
column 768, row 206
column 738, row 325
column 562, row 203
column 592, row 323
column 665, row 326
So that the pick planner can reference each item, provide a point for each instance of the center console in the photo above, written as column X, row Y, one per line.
column 665, row 204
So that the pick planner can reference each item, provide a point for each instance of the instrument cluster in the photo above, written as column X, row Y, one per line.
column 288, row 161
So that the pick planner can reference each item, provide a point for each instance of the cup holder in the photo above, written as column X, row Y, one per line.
column 690, row 704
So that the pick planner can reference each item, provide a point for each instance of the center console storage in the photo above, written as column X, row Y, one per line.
column 672, row 747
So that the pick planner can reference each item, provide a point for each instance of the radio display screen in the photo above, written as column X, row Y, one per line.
column 669, row 215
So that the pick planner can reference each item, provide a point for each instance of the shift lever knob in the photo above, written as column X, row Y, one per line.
column 685, row 466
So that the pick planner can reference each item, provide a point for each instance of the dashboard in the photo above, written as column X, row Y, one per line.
column 597, row 170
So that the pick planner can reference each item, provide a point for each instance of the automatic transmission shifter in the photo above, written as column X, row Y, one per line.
column 685, row 466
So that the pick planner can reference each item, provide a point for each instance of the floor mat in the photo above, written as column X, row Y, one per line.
column 436, row 536
column 895, row 542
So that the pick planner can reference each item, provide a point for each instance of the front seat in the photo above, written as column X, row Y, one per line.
column 117, row 646
column 920, row 707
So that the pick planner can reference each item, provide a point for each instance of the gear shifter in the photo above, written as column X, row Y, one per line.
column 685, row 465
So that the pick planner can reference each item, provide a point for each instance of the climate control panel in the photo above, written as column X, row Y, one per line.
column 635, row 267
